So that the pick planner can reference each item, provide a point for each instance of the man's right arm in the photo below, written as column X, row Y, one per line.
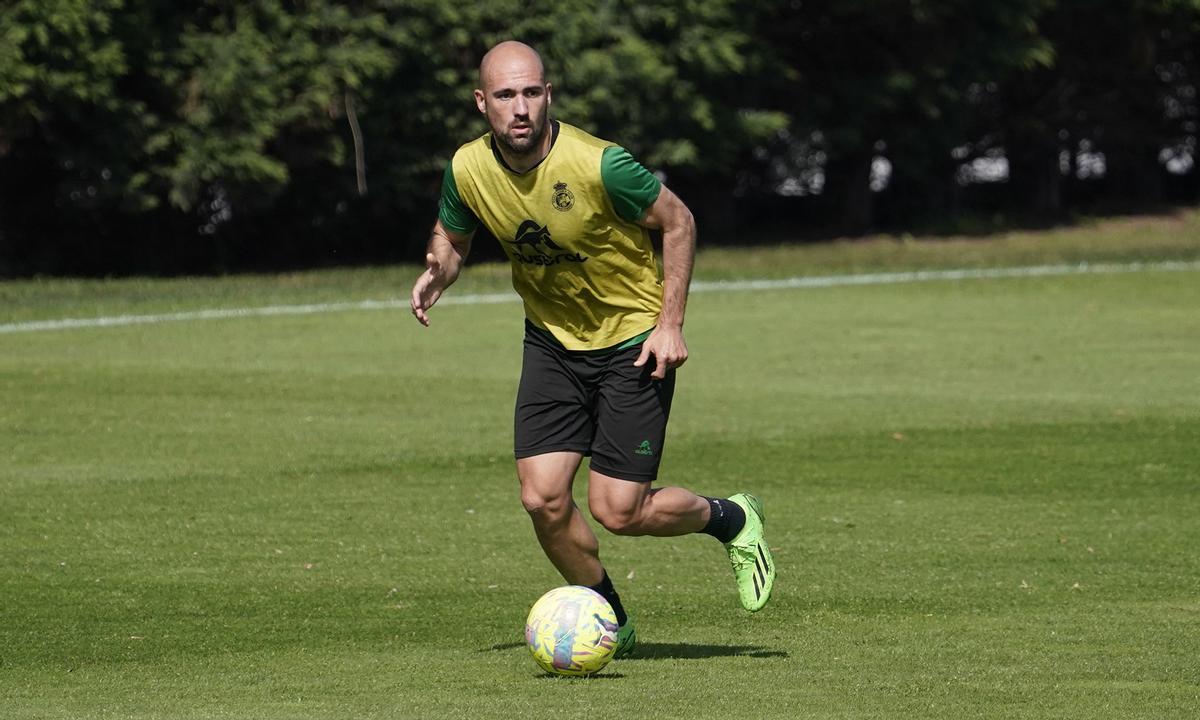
column 448, row 246
column 444, row 257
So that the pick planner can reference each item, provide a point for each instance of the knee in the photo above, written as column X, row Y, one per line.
column 617, row 520
column 545, row 507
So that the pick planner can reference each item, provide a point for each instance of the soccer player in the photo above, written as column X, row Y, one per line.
column 603, row 330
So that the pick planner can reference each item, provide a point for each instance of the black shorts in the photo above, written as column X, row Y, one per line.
column 592, row 402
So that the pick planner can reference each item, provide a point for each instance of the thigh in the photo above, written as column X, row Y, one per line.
column 546, row 479
column 615, row 497
column 632, row 410
column 554, row 405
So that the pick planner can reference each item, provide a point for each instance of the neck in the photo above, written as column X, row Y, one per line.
column 522, row 162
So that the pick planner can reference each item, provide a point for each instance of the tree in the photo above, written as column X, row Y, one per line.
column 867, row 78
column 210, row 136
column 60, row 111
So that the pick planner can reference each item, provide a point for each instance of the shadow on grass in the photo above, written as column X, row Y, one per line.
column 694, row 651
column 678, row 651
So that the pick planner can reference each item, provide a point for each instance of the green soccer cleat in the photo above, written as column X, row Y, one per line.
column 626, row 639
column 753, row 567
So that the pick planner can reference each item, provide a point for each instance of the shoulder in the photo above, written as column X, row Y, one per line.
column 632, row 188
column 582, row 138
column 469, row 155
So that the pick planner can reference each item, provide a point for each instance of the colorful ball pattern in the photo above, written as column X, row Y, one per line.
column 571, row 630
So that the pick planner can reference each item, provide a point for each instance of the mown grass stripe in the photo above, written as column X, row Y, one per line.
column 824, row 281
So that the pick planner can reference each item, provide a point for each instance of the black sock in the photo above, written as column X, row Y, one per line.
column 726, row 519
column 605, row 588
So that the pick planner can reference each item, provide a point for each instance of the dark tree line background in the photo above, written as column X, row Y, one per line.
column 217, row 136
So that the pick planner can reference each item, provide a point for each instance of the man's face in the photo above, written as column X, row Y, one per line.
column 516, row 100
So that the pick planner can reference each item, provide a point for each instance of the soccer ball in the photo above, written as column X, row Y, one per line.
column 571, row 630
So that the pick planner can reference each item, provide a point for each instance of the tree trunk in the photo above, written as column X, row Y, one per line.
column 1133, row 175
column 848, row 189
column 1035, row 176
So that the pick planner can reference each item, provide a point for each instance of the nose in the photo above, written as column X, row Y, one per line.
column 521, row 106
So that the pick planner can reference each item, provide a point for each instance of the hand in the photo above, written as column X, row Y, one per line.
column 667, row 347
column 428, row 289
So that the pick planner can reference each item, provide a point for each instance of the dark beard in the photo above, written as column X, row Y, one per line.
column 524, row 146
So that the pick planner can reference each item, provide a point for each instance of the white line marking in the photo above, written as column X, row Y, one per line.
column 825, row 281
column 936, row 275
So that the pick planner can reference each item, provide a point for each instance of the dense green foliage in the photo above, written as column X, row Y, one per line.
column 209, row 136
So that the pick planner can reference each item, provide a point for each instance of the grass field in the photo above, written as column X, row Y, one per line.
column 983, row 497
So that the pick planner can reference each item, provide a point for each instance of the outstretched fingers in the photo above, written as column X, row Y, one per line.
column 427, row 289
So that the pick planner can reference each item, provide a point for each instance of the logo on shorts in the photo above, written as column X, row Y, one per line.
column 564, row 199
column 533, row 246
column 644, row 448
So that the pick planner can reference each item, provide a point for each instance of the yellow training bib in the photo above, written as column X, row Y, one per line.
column 586, row 275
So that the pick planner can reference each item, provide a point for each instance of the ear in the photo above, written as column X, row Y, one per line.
column 479, row 101
column 549, row 97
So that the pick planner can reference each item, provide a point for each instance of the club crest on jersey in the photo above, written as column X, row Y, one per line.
column 564, row 199
column 533, row 246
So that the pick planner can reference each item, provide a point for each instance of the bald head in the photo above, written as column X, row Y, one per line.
column 515, row 97
column 510, row 58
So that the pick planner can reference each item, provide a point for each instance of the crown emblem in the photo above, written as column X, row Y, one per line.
column 564, row 199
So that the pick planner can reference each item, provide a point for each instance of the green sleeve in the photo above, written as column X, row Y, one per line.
column 452, row 211
column 630, row 186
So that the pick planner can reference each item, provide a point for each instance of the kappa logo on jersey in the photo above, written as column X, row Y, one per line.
column 532, row 234
column 533, row 246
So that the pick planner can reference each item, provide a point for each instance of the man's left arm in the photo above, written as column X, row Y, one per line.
column 666, row 343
